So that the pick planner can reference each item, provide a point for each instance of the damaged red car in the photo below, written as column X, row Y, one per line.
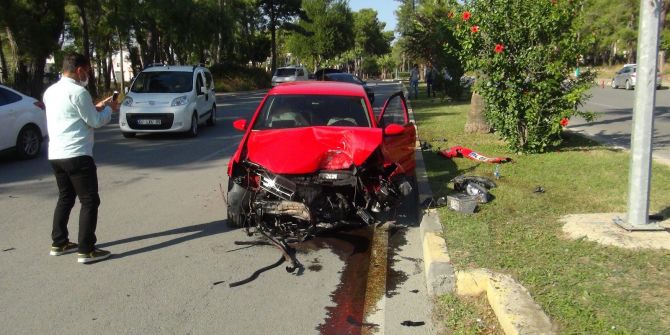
column 314, row 156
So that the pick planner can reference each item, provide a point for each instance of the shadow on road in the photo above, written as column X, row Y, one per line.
column 199, row 231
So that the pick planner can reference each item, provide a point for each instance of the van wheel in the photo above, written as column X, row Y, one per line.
column 193, row 131
column 212, row 117
column 628, row 85
column 29, row 142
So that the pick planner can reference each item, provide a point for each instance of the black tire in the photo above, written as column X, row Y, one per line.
column 193, row 131
column 212, row 117
column 128, row 135
column 237, row 196
column 29, row 142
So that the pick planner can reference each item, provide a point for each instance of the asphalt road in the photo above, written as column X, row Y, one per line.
column 162, row 216
column 614, row 109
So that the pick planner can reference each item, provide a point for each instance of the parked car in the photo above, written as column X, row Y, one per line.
column 350, row 78
column 169, row 99
column 627, row 77
column 290, row 73
column 314, row 156
column 23, row 123
column 319, row 74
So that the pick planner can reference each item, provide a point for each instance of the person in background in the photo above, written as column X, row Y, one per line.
column 71, row 119
column 431, row 74
column 414, row 81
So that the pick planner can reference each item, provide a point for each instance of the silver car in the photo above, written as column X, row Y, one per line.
column 289, row 73
column 627, row 77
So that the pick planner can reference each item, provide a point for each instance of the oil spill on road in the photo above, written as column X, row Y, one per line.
column 395, row 277
column 353, row 248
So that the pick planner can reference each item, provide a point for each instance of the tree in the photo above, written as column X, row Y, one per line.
column 326, row 34
column 280, row 14
column 370, row 39
column 32, row 29
column 526, row 51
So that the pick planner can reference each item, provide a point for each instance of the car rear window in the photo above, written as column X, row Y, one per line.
column 7, row 97
column 291, row 111
column 163, row 82
column 285, row 72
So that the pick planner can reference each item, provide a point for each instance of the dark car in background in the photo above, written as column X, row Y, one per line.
column 353, row 79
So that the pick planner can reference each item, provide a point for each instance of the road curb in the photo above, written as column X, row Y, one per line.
column 515, row 309
column 512, row 304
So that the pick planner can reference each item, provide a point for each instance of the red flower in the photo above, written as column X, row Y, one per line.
column 499, row 48
column 564, row 122
column 474, row 29
column 450, row 15
column 466, row 16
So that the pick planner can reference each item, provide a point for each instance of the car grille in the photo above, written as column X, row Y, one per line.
column 165, row 118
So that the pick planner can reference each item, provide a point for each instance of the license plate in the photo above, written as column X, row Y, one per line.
column 149, row 122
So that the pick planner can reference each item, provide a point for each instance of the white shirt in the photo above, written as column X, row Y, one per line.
column 71, row 118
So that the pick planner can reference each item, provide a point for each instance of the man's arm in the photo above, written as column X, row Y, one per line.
column 89, row 112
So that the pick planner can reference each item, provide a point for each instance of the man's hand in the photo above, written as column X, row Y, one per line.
column 114, row 105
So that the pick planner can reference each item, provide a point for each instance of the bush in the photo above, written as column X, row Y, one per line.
column 525, row 53
column 233, row 77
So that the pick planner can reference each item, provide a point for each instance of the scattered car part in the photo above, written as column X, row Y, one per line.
column 462, row 202
column 459, row 151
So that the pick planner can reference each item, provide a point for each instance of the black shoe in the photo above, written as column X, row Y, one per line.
column 93, row 256
column 66, row 248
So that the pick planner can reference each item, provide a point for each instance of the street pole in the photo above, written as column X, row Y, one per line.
column 643, row 119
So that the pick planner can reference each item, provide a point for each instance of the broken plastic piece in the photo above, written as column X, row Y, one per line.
column 459, row 151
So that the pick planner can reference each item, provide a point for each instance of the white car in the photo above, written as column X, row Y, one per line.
column 289, row 73
column 169, row 99
column 627, row 77
column 23, row 123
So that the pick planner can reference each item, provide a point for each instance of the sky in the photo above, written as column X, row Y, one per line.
column 385, row 10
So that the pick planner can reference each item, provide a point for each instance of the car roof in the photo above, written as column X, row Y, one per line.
column 290, row 67
column 318, row 87
column 171, row 68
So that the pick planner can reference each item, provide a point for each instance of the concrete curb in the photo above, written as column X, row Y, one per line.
column 515, row 309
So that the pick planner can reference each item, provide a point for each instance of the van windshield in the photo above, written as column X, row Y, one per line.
column 287, row 72
column 163, row 82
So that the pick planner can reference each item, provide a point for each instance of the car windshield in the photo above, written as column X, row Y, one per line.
column 344, row 77
column 291, row 111
column 285, row 72
column 163, row 82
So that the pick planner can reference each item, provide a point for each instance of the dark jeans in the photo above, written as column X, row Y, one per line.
column 430, row 88
column 76, row 177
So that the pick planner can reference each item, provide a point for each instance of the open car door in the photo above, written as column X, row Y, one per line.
column 399, row 134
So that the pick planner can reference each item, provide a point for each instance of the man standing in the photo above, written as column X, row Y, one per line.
column 430, row 79
column 414, row 81
column 71, row 118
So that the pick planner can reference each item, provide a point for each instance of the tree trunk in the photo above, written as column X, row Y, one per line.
column 4, row 77
column 92, row 88
column 476, row 122
column 273, row 32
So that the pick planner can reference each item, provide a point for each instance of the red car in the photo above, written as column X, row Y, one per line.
column 315, row 156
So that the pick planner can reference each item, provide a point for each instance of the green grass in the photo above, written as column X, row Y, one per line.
column 468, row 316
column 584, row 287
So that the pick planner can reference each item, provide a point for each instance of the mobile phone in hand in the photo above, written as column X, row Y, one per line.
column 115, row 96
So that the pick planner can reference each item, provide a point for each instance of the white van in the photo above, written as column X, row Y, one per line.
column 169, row 98
column 289, row 73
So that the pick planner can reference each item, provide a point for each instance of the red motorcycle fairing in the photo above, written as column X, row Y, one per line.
column 310, row 149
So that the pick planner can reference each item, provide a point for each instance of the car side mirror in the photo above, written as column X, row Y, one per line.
column 126, row 90
column 394, row 129
column 240, row 124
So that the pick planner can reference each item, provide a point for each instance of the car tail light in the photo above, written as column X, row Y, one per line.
column 40, row 104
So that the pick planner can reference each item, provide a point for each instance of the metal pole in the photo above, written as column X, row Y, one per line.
column 643, row 118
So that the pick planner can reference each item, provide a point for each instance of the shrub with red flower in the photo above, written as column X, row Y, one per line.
column 466, row 16
column 530, row 93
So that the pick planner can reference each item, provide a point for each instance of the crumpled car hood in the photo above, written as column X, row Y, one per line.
column 310, row 149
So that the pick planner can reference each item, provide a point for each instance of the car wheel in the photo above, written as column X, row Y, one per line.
column 614, row 84
column 193, row 131
column 237, row 196
column 628, row 85
column 212, row 117
column 128, row 135
column 29, row 142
